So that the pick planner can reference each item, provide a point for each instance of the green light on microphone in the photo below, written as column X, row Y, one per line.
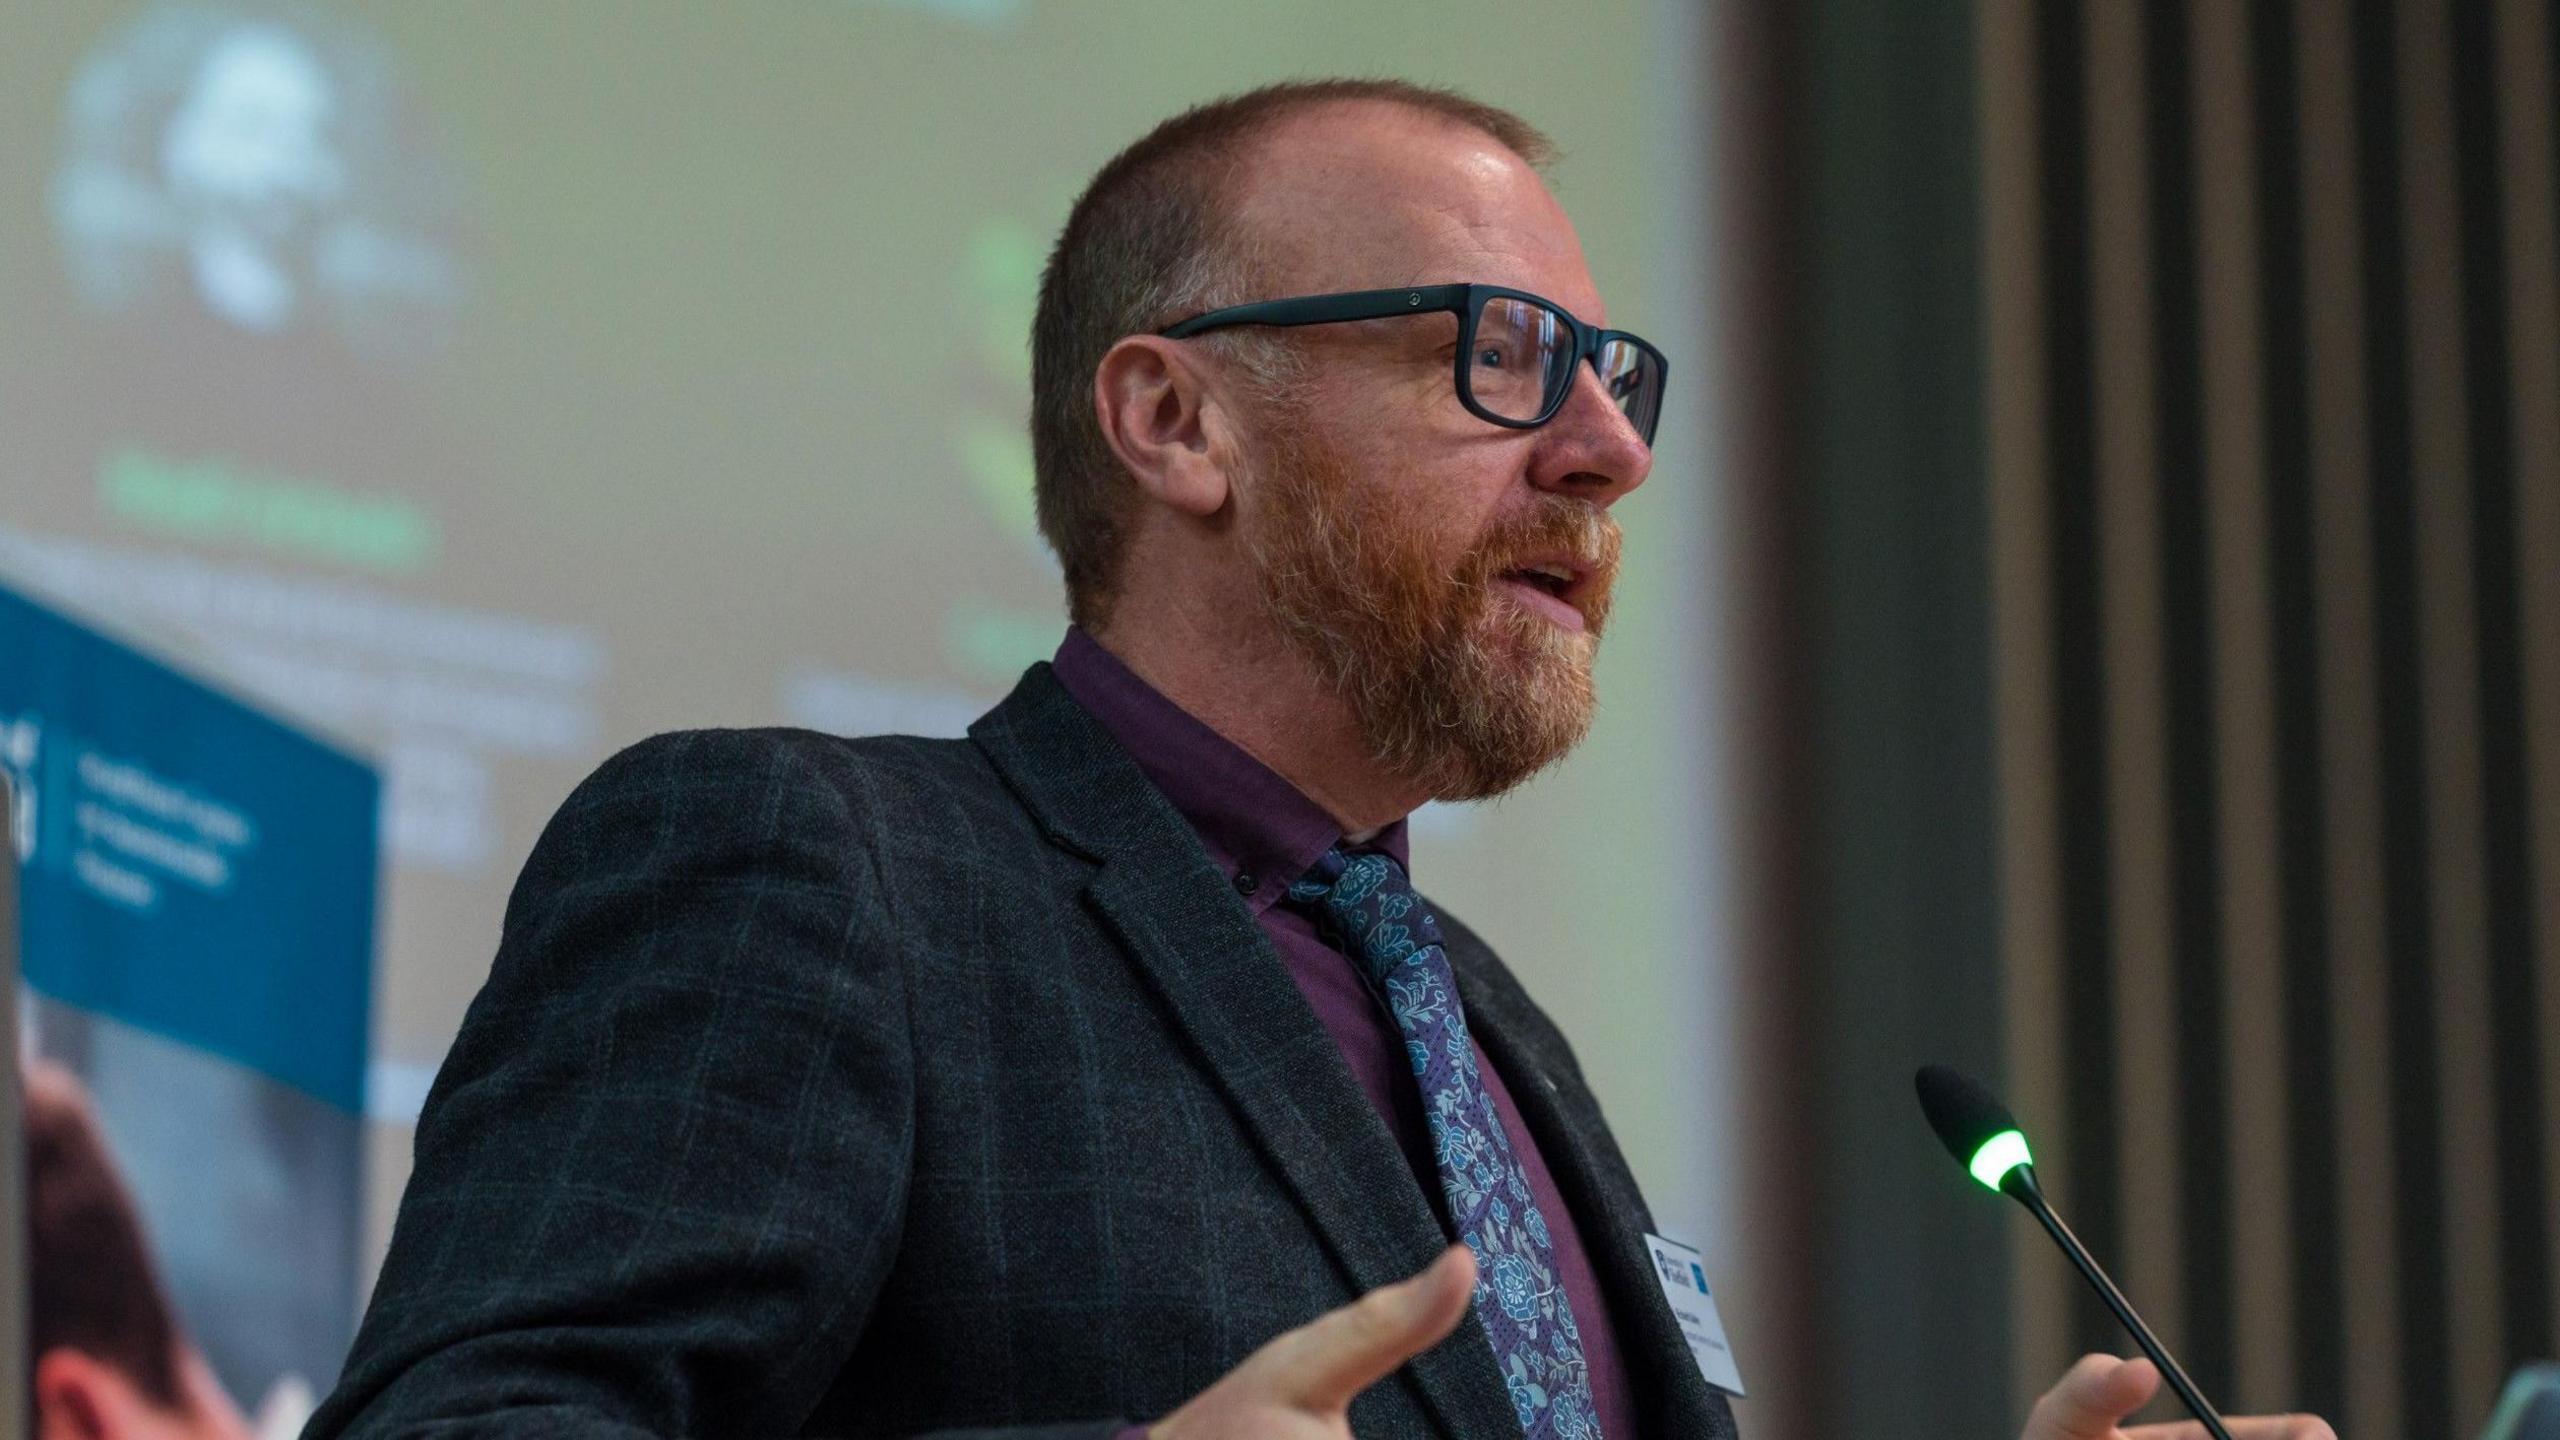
column 1999, row 1155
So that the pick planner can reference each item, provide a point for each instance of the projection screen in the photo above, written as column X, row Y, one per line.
column 494, row 384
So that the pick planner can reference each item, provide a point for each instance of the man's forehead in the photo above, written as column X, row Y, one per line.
column 1371, row 194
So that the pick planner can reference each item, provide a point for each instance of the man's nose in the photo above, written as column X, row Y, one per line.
column 1595, row 453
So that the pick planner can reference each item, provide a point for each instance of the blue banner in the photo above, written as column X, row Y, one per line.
column 192, row 867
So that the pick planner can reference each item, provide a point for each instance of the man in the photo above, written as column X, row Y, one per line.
column 107, row 1359
column 1033, row 1084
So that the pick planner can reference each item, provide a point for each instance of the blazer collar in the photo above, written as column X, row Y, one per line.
column 1200, row 950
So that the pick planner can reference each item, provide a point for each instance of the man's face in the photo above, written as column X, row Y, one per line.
column 1397, row 538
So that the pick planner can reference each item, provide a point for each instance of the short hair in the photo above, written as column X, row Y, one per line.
column 91, row 1287
column 1150, row 240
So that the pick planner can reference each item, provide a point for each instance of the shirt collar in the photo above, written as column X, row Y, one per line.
column 1262, row 831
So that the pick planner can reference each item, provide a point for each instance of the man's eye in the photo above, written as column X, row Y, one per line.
column 1492, row 357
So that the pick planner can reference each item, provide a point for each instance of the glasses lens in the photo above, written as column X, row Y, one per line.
column 1633, row 377
column 1522, row 354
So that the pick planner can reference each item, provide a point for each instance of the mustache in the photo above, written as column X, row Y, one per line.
column 1584, row 533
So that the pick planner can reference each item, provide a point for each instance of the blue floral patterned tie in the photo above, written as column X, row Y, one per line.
column 1372, row 910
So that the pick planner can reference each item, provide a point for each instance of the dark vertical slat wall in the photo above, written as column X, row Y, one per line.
column 2182, row 742
column 2377, row 771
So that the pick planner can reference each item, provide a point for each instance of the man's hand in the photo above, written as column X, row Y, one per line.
column 1300, row 1386
column 2095, row 1395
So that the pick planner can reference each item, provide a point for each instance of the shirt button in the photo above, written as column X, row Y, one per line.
column 1247, row 882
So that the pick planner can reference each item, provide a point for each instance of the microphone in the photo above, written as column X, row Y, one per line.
column 1979, row 1131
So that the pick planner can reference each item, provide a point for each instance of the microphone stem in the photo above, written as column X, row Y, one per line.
column 2030, row 1194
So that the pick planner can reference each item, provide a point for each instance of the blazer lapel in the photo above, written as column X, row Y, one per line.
column 1608, row 1209
column 1203, row 955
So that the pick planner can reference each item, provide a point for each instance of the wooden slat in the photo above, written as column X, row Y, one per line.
column 2440, row 455
column 2031, row 939
column 2350, row 742
column 2244, row 710
column 2131, row 640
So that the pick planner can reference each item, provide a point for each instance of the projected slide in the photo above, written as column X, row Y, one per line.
column 496, row 384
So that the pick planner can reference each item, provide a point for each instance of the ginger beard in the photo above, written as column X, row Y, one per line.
column 1455, row 683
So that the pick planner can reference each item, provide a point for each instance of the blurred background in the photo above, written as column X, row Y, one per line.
column 2095, row 618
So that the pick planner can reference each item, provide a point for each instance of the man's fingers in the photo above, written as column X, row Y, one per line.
column 2242, row 1427
column 1321, row 1366
column 2091, row 1397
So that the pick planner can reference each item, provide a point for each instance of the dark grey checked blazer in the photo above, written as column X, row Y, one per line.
column 892, row 1086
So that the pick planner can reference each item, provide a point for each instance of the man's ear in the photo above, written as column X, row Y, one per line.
column 80, row 1397
column 1163, row 416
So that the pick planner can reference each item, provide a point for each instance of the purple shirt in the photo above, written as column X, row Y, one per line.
column 1265, row 834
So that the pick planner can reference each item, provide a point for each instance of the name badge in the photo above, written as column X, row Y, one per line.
column 1683, row 1274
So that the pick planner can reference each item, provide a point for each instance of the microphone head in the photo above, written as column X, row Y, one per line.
column 1976, row 1128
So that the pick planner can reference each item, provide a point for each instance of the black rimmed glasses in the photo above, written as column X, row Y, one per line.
column 1517, row 352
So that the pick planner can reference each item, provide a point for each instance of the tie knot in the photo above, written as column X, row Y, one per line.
column 1367, row 901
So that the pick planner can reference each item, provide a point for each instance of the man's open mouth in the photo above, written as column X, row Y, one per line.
column 1555, row 587
column 1556, row 580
